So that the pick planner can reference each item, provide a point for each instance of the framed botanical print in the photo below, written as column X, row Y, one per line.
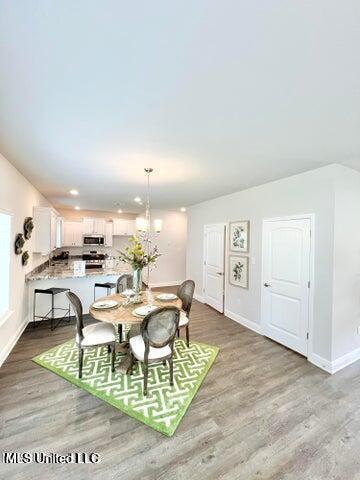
column 239, row 236
column 239, row 270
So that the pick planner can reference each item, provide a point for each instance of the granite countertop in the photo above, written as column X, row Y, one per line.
column 66, row 270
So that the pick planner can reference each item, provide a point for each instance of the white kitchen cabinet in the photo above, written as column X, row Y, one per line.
column 45, row 221
column 72, row 234
column 88, row 226
column 124, row 227
column 94, row 226
column 108, row 234
column 99, row 226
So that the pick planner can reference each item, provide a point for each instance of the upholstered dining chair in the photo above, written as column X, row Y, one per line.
column 186, row 293
column 124, row 282
column 93, row 335
column 156, row 341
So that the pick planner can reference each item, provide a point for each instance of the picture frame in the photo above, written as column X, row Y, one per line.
column 239, row 271
column 239, row 236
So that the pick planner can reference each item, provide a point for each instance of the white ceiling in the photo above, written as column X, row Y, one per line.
column 216, row 96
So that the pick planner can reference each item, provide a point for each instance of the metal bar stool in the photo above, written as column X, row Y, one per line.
column 50, row 291
column 108, row 285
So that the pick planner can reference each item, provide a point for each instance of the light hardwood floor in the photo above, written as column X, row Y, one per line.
column 263, row 412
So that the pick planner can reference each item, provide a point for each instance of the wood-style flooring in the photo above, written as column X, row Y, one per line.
column 263, row 412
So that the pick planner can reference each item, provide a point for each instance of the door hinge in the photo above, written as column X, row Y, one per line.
column 309, row 284
column 307, row 336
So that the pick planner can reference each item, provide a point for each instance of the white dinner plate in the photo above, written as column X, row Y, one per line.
column 127, row 293
column 165, row 297
column 105, row 304
column 144, row 310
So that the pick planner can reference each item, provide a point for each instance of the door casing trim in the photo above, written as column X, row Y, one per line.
column 311, row 217
column 223, row 224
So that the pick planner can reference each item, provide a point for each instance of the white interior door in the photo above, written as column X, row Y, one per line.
column 214, row 256
column 286, row 282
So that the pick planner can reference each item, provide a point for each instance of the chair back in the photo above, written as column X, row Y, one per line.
column 159, row 327
column 78, row 310
column 124, row 282
column 186, row 293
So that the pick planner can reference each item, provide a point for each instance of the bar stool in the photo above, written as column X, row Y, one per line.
column 50, row 291
column 108, row 285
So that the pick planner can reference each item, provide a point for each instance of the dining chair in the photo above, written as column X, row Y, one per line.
column 156, row 341
column 94, row 335
column 124, row 282
column 186, row 294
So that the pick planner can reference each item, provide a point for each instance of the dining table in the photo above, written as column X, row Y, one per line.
column 124, row 314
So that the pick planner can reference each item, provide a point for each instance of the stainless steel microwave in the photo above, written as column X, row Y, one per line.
column 97, row 240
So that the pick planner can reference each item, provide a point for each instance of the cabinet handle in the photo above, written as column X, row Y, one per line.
column 267, row 285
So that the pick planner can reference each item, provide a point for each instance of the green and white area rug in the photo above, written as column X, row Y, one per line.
column 164, row 406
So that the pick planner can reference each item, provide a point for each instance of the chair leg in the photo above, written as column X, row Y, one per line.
column 52, row 313
column 178, row 332
column 146, row 371
column 120, row 332
column 109, row 348
column 113, row 357
column 187, row 336
column 81, row 356
column 131, row 366
column 34, row 311
column 171, row 371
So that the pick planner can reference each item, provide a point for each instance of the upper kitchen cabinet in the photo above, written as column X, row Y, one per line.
column 45, row 230
column 108, row 234
column 94, row 226
column 72, row 234
column 124, row 227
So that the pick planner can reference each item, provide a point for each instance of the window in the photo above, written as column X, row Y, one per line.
column 5, row 238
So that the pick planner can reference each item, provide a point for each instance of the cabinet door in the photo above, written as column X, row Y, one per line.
column 67, row 235
column 99, row 226
column 88, row 226
column 78, row 234
column 108, row 234
column 53, row 220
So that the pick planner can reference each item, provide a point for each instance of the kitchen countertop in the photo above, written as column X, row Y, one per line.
column 66, row 270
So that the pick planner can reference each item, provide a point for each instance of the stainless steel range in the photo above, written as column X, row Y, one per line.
column 94, row 259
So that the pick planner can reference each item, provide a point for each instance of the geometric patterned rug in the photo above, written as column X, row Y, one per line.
column 164, row 406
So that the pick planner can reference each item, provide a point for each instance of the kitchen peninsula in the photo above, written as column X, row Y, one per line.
column 61, row 275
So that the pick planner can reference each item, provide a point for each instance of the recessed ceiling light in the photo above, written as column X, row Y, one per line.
column 137, row 199
column 77, row 207
column 182, row 209
column 119, row 211
column 74, row 192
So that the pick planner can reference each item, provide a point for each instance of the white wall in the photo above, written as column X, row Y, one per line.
column 171, row 266
column 310, row 192
column 17, row 196
column 346, row 281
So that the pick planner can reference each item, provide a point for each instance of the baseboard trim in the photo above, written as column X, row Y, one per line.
column 199, row 298
column 345, row 360
column 255, row 327
column 320, row 362
column 12, row 342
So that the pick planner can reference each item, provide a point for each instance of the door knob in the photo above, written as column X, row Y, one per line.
column 267, row 285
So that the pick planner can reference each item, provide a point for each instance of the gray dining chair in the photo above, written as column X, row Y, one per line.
column 186, row 294
column 94, row 335
column 156, row 341
column 124, row 282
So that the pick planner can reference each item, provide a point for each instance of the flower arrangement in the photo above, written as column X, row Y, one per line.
column 134, row 254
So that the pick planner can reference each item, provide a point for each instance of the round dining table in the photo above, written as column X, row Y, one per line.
column 124, row 314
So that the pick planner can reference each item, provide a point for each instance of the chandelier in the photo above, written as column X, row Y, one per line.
column 143, row 224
